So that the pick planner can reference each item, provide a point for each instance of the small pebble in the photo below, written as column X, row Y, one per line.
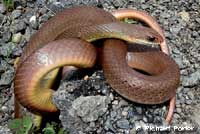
column 192, row 80
column 145, row 119
column 16, row 14
column 18, row 26
column 33, row 22
column 2, row 8
column 123, row 124
column 108, row 126
column 86, row 78
column 7, row 36
column 4, row 109
column 124, row 113
column 178, row 110
column 139, row 110
column 115, row 102
column 185, row 16
column 16, row 38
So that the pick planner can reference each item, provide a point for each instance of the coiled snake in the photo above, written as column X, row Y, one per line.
column 64, row 41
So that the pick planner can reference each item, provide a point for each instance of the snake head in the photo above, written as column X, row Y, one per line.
column 145, row 35
column 135, row 33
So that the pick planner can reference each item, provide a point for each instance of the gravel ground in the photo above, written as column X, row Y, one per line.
column 179, row 19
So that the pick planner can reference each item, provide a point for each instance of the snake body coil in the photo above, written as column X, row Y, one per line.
column 63, row 40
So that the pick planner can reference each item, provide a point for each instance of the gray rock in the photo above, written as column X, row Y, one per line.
column 179, row 61
column 43, row 10
column 138, row 126
column 19, row 7
column 118, row 3
column 188, row 102
column 109, row 133
column 16, row 52
column 6, row 49
column 195, row 34
column 69, row 3
column 190, row 95
column 145, row 119
column 73, row 112
column 115, row 102
column 2, row 8
column 198, row 20
column 149, row 118
column 108, row 126
column 113, row 114
column 4, row 130
column 130, row 113
column 4, row 66
column 123, row 103
column 63, row 101
column 133, row 131
column 178, row 110
column 7, row 36
column 4, row 109
column 124, row 113
column 6, row 78
column 90, row 108
column 139, row 110
column 97, row 87
column 185, row 16
column 137, row 117
column 90, row 2
column 176, row 116
column 1, row 18
column 159, row 120
column 16, row 14
column 195, row 116
column 27, row 34
column 40, row 2
column 92, row 124
column 105, row 91
column 16, row 38
column 56, row 6
column 30, row 4
column 175, row 29
column 18, row 26
column 166, row 15
column 43, row 18
column 33, row 22
column 192, row 80
column 123, row 124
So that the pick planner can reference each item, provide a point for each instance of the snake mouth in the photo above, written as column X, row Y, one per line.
column 149, row 41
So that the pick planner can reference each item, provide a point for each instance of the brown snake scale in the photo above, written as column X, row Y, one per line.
column 80, row 53
column 64, row 41
column 134, row 85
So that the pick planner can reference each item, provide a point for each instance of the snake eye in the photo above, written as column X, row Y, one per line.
column 151, row 38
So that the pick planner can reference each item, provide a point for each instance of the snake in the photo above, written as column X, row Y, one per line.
column 65, row 40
